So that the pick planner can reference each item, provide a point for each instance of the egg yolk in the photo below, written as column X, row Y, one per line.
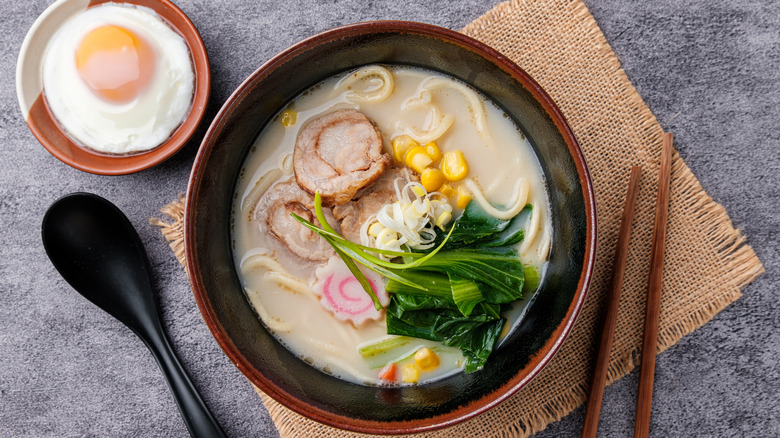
column 115, row 63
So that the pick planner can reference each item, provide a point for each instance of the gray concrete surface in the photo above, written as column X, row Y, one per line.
column 709, row 70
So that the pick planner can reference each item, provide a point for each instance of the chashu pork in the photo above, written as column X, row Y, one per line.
column 338, row 154
column 272, row 212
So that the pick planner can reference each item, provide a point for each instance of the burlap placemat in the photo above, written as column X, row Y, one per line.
column 707, row 262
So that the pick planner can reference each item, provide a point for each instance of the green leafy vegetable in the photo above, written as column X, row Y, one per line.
column 429, row 284
column 513, row 233
column 475, row 335
column 465, row 293
column 532, row 279
column 476, row 228
column 453, row 293
column 497, row 269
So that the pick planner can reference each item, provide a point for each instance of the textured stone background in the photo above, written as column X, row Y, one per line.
column 709, row 70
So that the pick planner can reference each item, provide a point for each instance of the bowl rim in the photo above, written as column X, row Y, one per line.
column 46, row 129
column 461, row 413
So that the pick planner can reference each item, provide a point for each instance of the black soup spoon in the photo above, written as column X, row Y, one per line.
column 96, row 249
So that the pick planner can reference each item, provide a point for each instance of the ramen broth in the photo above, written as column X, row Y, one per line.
column 279, row 286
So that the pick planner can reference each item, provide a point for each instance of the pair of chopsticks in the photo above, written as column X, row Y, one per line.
column 647, row 370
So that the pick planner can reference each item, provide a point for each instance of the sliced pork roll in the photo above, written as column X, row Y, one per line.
column 272, row 212
column 338, row 154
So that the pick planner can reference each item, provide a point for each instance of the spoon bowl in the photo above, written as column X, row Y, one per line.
column 97, row 250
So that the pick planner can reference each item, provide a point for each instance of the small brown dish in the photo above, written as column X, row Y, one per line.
column 42, row 123
column 273, row 368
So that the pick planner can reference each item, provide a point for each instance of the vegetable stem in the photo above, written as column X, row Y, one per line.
column 383, row 345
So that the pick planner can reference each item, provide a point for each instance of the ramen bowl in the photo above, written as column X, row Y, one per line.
column 271, row 366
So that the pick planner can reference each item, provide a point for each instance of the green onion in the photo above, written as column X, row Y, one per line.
column 383, row 346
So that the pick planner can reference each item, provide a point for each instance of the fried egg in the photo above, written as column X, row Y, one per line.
column 118, row 79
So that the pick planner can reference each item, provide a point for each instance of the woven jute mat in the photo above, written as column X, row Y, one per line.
column 707, row 261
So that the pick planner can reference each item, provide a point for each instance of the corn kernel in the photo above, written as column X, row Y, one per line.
column 432, row 179
column 375, row 229
column 448, row 191
column 289, row 117
column 433, row 151
column 454, row 165
column 463, row 197
column 401, row 145
column 426, row 359
column 410, row 373
column 417, row 159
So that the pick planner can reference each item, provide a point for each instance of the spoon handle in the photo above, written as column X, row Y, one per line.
column 196, row 415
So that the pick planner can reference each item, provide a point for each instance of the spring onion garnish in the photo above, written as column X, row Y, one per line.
column 409, row 222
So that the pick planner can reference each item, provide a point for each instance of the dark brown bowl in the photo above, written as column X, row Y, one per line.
column 43, row 124
column 289, row 380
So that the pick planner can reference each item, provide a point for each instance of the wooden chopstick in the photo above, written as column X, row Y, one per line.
column 593, row 409
column 644, row 399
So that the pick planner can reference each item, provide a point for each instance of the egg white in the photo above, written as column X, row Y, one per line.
column 139, row 125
